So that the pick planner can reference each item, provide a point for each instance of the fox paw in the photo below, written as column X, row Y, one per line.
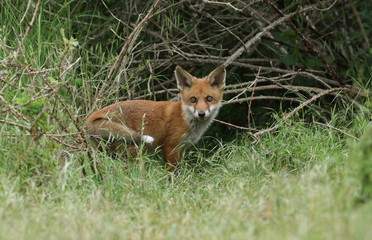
column 148, row 139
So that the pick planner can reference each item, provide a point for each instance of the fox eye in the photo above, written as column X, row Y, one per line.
column 193, row 99
column 209, row 99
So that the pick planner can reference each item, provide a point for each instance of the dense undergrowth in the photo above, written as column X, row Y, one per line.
column 297, row 183
column 309, row 179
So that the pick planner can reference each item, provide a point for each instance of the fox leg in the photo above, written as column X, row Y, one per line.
column 171, row 157
column 116, row 137
column 127, row 151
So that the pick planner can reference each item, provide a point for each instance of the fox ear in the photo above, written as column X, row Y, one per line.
column 217, row 77
column 184, row 79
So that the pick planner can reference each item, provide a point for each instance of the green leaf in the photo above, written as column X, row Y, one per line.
column 313, row 62
column 290, row 59
column 329, row 59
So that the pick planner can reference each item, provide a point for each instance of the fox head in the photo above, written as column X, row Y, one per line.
column 201, row 97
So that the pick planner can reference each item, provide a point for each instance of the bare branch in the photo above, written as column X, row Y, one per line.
column 127, row 45
column 223, row 3
column 30, row 26
column 301, row 106
column 308, row 44
column 338, row 130
column 355, row 12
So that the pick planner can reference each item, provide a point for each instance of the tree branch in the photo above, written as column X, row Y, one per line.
column 309, row 45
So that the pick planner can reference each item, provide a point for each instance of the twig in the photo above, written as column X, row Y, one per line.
column 207, row 15
column 69, row 67
column 235, row 126
column 259, row 35
column 77, row 127
column 302, row 105
column 256, row 38
column 223, row 3
column 73, row 119
column 355, row 12
column 65, row 144
column 241, row 90
column 338, row 130
column 238, row 127
column 131, row 38
column 24, row 15
column 29, row 26
column 309, row 45
column 262, row 98
column 15, row 124
column 250, row 102
column 29, row 146
column 14, row 110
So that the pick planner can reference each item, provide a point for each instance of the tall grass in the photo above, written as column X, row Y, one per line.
column 296, row 183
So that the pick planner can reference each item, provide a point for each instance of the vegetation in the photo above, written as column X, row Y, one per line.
column 297, row 184
column 294, row 161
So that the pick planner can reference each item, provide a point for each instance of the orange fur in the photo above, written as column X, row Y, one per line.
column 168, row 125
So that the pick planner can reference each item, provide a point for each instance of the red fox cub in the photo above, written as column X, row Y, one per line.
column 171, row 126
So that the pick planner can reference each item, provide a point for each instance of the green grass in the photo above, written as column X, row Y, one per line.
column 297, row 185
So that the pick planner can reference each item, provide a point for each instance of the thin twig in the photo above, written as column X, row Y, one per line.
column 14, row 110
column 69, row 67
column 301, row 106
column 238, row 127
column 29, row 146
column 235, row 126
column 355, row 12
column 240, row 100
column 15, row 124
column 250, row 102
column 131, row 38
column 223, row 3
column 24, row 15
column 29, row 26
column 336, row 129
column 309, row 45
column 66, row 144
column 259, row 35
column 81, row 132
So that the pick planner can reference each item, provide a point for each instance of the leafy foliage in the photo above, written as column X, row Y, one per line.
column 361, row 161
column 55, row 64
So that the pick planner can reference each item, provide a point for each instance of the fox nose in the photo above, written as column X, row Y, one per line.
column 201, row 114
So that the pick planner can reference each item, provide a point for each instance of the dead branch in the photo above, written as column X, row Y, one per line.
column 127, row 45
column 337, row 129
column 250, row 101
column 278, row 98
column 29, row 146
column 256, row 38
column 29, row 26
column 223, row 3
column 359, row 22
column 18, row 114
column 76, row 124
column 15, row 124
column 301, row 106
column 238, row 127
column 308, row 44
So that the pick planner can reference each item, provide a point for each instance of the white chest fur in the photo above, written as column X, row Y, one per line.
column 197, row 127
